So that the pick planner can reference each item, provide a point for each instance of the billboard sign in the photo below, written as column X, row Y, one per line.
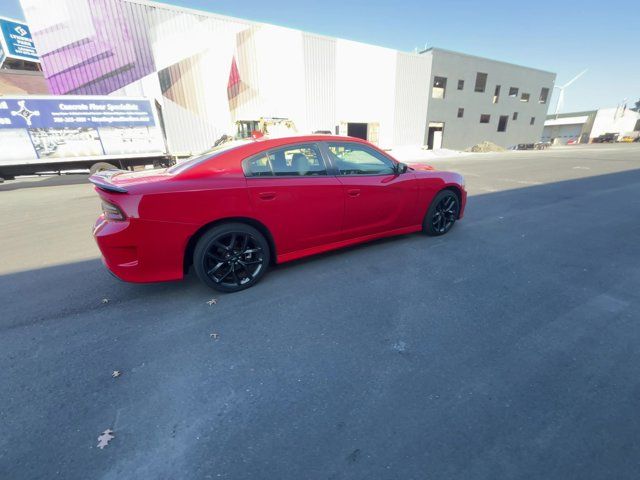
column 38, row 129
column 17, row 41
column 60, row 112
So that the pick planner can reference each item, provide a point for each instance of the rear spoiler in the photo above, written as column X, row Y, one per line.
column 102, row 180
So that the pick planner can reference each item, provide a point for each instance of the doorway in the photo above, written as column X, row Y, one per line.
column 357, row 130
column 434, row 135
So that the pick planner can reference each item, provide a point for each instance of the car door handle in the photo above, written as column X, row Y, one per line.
column 354, row 192
column 267, row 195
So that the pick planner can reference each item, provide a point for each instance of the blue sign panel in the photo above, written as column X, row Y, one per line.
column 63, row 112
column 17, row 40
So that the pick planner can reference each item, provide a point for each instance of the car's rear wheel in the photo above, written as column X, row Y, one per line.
column 442, row 214
column 231, row 257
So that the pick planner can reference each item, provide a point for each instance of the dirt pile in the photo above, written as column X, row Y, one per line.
column 484, row 147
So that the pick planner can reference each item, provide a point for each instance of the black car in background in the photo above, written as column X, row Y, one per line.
column 606, row 138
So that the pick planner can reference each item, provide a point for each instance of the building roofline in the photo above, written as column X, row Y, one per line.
column 195, row 11
column 219, row 16
column 552, row 116
column 205, row 13
column 444, row 50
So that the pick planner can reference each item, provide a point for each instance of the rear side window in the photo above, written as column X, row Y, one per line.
column 291, row 161
column 257, row 166
column 356, row 159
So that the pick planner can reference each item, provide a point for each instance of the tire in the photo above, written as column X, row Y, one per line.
column 442, row 214
column 100, row 166
column 231, row 257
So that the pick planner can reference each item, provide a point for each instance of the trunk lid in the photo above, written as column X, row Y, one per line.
column 121, row 180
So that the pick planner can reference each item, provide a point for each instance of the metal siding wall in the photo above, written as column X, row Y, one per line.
column 412, row 96
column 280, row 60
column 249, row 97
column 320, row 82
column 365, row 86
column 613, row 120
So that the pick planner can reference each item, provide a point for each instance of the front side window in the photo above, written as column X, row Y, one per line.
column 292, row 161
column 354, row 159
column 513, row 92
column 485, row 118
column 460, row 84
column 525, row 97
column 439, row 87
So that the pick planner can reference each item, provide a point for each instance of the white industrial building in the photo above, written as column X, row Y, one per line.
column 211, row 75
column 583, row 127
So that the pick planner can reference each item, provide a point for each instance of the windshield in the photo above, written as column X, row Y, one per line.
column 201, row 157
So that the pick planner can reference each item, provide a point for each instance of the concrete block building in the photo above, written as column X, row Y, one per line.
column 473, row 99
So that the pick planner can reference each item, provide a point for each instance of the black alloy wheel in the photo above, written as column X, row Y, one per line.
column 231, row 257
column 442, row 214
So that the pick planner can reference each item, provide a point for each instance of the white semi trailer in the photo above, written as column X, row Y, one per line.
column 55, row 133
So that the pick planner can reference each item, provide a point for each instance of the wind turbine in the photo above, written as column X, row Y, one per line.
column 561, row 88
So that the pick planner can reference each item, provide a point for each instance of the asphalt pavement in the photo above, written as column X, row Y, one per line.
column 505, row 349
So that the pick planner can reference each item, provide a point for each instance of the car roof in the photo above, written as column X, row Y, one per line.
column 268, row 142
column 232, row 156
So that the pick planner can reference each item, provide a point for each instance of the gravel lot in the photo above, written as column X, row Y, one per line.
column 506, row 349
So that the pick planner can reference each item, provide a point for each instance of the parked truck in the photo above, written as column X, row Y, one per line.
column 55, row 133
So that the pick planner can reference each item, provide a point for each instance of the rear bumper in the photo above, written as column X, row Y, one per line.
column 141, row 252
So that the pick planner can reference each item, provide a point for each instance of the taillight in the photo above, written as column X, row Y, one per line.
column 112, row 212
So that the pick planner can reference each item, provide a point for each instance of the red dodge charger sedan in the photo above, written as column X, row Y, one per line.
column 234, row 210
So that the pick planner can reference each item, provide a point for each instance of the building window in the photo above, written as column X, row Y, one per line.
column 439, row 87
column 496, row 94
column 460, row 112
column 502, row 123
column 460, row 84
column 544, row 95
column 515, row 115
column 524, row 97
column 513, row 92
column 533, row 120
column 485, row 118
column 481, row 82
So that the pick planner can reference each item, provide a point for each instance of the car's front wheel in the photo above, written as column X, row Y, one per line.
column 231, row 257
column 442, row 214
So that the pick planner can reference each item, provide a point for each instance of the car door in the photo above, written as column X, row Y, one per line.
column 377, row 199
column 293, row 195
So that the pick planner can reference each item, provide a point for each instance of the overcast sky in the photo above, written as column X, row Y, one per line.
column 561, row 36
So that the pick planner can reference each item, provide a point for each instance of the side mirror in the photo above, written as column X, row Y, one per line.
column 401, row 168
